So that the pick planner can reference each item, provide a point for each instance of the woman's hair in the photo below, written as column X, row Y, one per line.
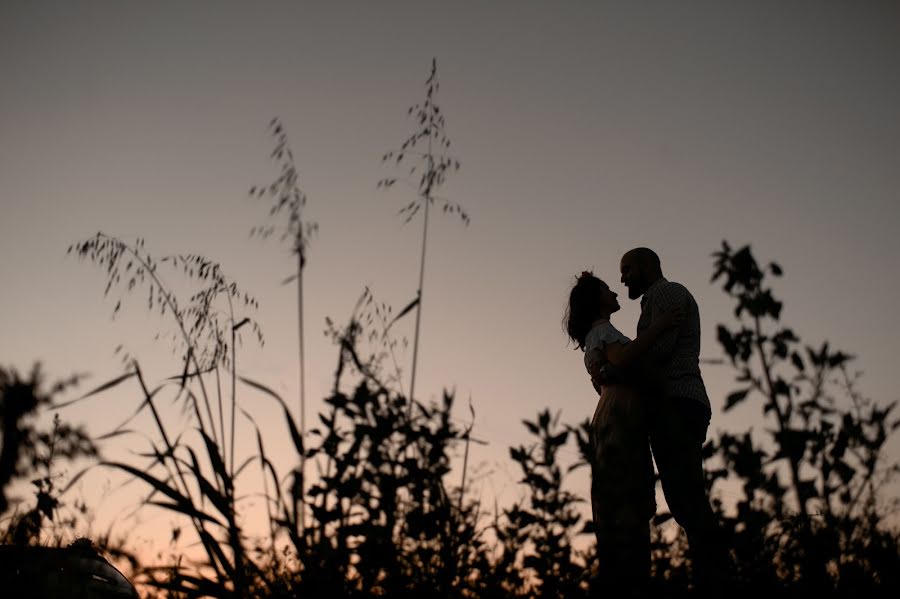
column 583, row 308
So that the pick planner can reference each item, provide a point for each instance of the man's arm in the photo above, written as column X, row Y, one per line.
column 608, row 374
column 624, row 355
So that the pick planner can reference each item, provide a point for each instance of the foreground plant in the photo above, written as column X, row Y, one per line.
column 812, row 516
column 199, row 488
column 289, row 202
column 383, row 519
column 31, row 452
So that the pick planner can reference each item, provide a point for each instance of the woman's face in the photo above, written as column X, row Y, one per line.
column 609, row 302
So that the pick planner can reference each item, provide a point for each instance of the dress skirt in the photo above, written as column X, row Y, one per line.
column 623, row 497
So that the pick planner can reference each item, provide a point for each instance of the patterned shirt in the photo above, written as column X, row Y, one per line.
column 677, row 350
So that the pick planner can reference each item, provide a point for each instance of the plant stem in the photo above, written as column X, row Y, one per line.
column 300, row 265
column 233, row 384
column 783, row 424
column 427, row 198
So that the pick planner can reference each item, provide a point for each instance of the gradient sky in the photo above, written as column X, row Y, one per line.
column 583, row 128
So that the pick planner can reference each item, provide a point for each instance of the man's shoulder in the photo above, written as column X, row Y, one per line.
column 667, row 287
column 670, row 289
column 676, row 287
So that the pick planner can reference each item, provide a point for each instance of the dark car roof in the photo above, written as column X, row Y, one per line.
column 76, row 572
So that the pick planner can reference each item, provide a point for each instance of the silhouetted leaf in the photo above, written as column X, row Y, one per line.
column 735, row 398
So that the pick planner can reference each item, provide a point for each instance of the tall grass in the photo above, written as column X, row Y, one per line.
column 207, row 330
column 425, row 154
column 383, row 516
column 288, row 202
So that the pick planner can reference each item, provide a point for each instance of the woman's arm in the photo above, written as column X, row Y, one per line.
column 623, row 355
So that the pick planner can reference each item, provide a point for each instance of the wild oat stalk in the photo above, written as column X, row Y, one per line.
column 287, row 196
column 209, row 339
column 207, row 336
column 431, row 166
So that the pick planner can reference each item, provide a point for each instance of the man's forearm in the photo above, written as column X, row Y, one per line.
column 609, row 374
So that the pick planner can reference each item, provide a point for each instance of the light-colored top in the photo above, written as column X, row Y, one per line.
column 677, row 350
column 595, row 343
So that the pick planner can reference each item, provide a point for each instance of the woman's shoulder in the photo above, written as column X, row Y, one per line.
column 603, row 333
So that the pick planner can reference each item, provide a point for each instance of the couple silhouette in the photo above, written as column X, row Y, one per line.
column 653, row 406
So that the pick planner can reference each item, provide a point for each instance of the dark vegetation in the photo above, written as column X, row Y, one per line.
column 384, row 514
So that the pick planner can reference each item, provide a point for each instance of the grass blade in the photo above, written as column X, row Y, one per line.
column 95, row 391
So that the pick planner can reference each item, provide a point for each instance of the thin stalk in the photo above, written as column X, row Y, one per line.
column 300, row 265
column 233, row 383
column 462, row 485
column 300, row 335
column 870, row 475
column 782, row 423
column 221, row 408
column 426, row 197
column 301, row 262
column 468, row 436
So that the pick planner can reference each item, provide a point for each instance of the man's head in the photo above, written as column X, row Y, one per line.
column 640, row 268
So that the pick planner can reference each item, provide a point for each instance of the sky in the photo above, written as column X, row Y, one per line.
column 583, row 129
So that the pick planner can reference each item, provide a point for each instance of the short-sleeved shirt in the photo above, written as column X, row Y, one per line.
column 676, row 351
column 595, row 343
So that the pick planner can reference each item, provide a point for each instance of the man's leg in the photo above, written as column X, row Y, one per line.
column 677, row 433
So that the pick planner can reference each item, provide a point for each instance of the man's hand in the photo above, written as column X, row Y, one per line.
column 608, row 374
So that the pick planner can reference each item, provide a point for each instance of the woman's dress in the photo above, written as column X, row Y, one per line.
column 622, row 480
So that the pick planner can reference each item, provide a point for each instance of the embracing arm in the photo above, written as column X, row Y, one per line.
column 625, row 355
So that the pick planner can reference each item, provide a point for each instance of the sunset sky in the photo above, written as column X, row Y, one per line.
column 583, row 128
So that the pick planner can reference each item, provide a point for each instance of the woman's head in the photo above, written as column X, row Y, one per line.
column 590, row 299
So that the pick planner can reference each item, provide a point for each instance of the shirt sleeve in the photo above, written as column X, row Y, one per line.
column 607, row 334
column 596, row 342
column 595, row 350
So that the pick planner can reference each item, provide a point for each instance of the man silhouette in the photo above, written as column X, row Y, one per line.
column 678, row 411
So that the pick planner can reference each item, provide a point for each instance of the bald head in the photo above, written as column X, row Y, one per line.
column 646, row 258
column 640, row 268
